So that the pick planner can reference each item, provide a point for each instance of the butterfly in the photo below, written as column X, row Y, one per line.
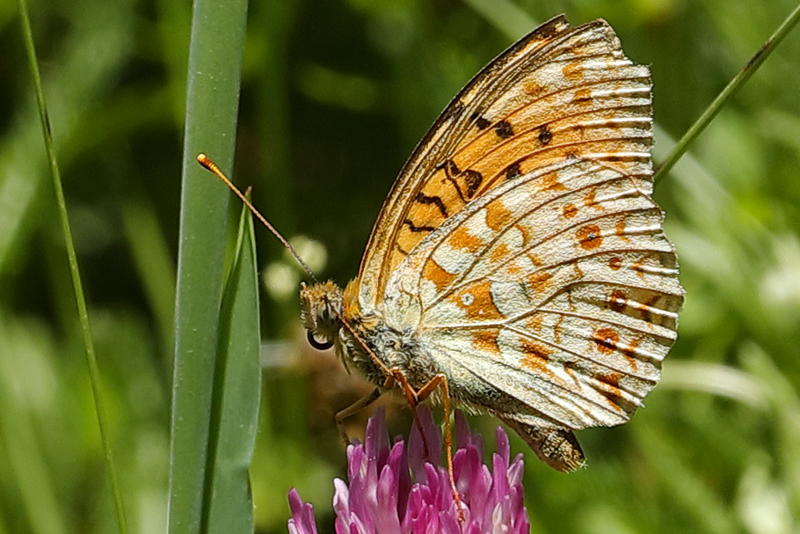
column 518, row 265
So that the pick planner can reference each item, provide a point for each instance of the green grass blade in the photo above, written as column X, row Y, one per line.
column 785, row 404
column 26, row 467
column 686, row 489
column 229, row 505
column 737, row 82
column 83, row 314
column 215, row 59
column 77, row 84
column 504, row 15
column 509, row 19
column 154, row 264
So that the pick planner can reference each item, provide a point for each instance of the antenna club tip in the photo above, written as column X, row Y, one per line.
column 206, row 162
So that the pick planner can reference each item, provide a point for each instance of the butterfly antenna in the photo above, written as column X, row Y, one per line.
column 206, row 162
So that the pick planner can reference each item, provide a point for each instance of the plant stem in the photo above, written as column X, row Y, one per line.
column 83, row 314
column 741, row 77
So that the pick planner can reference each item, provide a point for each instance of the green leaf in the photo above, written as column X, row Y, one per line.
column 236, row 394
column 215, row 60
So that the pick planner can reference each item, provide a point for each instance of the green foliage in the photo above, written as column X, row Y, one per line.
column 228, row 503
column 198, row 433
column 715, row 450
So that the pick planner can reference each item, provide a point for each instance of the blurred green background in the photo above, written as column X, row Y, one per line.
column 335, row 95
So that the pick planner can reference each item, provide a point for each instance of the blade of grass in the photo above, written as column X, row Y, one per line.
column 504, row 15
column 154, row 264
column 229, row 506
column 26, row 467
column 715, row 379
column 734, row 85
column 76, row 85
column 785, row 403
column 83, row 314
column 215, row 61
column 273, row 23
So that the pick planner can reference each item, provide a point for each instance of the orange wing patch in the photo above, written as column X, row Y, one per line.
column 589, row 237
column 477, row 301
column 499, row 253
column 436, row 274
column 535, row 357
column 607, row 340
column 462, row 239
column 486, row 340
column 569, row 210
column 539, row 280
column 497, row 215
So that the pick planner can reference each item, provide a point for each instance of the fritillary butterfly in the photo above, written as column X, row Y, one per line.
column 519, row 259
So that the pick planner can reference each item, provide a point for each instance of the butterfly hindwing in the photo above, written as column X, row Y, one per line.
column 568, row 313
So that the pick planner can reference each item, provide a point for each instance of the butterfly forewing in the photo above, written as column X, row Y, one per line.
column 558, row 91
column 521, row 240
column 395, row 233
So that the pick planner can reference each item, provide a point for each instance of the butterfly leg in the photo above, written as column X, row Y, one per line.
column 414, row 397
column 354, row 408
column 424, row 392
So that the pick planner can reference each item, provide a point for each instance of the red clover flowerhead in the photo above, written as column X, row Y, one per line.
column 402, row 488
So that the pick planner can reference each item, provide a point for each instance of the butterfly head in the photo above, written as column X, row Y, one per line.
column 320, row 311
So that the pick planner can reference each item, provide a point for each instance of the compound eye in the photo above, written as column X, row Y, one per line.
column 316, row 344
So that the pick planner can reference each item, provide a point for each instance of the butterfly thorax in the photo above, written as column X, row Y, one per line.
column 360, row 337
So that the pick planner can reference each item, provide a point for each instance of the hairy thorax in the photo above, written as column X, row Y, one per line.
column 362, row 339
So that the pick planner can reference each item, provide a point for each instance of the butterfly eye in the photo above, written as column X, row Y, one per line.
column 316, row 344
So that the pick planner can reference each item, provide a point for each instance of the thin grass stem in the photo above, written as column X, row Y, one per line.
column 83, row 314
column 734, row 85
